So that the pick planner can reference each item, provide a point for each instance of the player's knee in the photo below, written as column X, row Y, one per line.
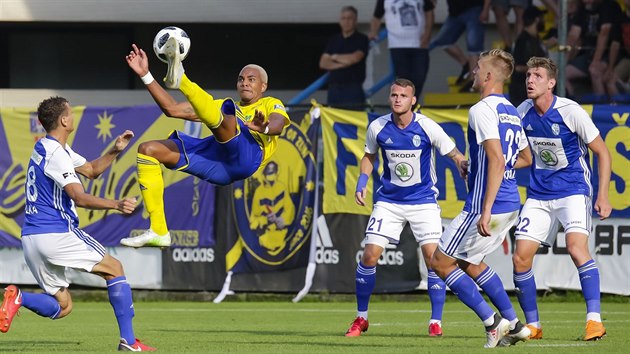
column 148, row 148
column 370, row 257
column 521, row 263
column 66, row 309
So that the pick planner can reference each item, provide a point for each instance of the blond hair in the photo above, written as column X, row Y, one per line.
column 261, row 71
column 500, row 60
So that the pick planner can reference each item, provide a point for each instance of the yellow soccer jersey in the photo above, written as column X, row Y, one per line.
column 266, row 105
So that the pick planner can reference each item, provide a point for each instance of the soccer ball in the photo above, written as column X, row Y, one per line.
column 164, row 34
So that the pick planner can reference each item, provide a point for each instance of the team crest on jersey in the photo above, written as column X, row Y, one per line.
column 416, row 140
column 273, row 208
column 404, row 171
column 555, row 128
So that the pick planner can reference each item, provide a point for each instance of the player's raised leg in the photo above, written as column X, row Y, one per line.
column 151, row 155
column 175, row 69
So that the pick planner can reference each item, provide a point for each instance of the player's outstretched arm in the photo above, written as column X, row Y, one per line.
column 604, row 162
column 85, row 200
column 138, row 61
column 366, row 167
column 93, row 169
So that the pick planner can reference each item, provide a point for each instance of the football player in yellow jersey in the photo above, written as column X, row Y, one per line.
column 245, row 135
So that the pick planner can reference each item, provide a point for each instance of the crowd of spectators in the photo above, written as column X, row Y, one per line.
column 597, row 48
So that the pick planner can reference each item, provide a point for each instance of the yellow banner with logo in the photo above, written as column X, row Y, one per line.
column 344, row 140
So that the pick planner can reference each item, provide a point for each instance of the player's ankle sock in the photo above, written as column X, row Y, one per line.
column 119, row 293
column 466, row 290
column 152, row 189
column 365, row 281
column 203, row 103
column 491, row 284
column 589, row 280
column 526, row 293
column 437, row 294
column 42, row 304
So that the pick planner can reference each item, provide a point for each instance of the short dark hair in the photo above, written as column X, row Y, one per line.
column 49, row 111
column 351, row 9
column 405, row 83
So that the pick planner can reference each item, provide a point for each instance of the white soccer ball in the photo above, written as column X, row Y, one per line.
column 164, row 34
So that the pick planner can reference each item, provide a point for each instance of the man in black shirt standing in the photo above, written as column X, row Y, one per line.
column 527, row 45
column 344, row 58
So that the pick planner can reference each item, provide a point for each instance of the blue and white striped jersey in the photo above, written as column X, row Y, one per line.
column 48, row 208
column 494, row 117
column 558, row 141
column 408, row 160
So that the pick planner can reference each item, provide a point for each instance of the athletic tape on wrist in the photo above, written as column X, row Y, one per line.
column 148, row 78
column 362, row 182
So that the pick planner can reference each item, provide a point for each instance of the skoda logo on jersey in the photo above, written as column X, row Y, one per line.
column 404, row 171
column 548, row 157
column 555, row 128
column 416, row 140
column 273, row 209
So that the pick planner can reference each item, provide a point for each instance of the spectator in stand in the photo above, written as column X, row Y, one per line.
column 527, row 45
column 593, row 26
column 409, row 24
column 501, row 9
column 463, row 16
column 621, row 73
column 344, row 58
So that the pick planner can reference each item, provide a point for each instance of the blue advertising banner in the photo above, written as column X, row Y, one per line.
column 189, row 202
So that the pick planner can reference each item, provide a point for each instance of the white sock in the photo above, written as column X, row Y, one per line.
column 535, row 324
column 362, row 314
column 489, row 321
column 594, row 316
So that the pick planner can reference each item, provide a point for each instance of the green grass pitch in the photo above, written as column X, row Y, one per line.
column 309, row 327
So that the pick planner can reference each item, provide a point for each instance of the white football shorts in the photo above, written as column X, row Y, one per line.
column 388, row 220
column 538, row 218
column 461, row 240
column 48, row 255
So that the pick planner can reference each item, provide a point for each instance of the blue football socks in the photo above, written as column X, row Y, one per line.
column 525, row 284
column 365, row 281
column 437, row 294
column 466, row 290
column 119, row 293
column 42, row 304
column 589, row 280
column 491, row 284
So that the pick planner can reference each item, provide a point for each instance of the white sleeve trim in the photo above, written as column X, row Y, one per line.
column 439, row 139
column 484, row 122
column 579, row 122
column 60, row 168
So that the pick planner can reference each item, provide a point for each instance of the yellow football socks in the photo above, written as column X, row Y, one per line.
column 152, row 189
column 207, row 108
